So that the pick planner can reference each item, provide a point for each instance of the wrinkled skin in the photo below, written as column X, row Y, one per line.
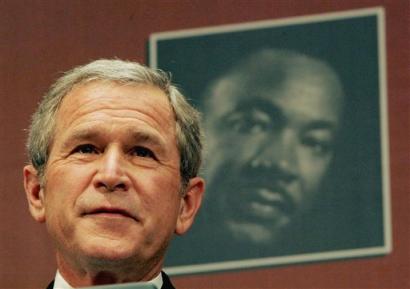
column 112, row 197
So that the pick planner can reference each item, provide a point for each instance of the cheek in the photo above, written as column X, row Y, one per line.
column 312, row 170
column 231, row 153
column 157, row 190
column 240, row 149
column 63, row 188
column 160, row 204
column 59, row 208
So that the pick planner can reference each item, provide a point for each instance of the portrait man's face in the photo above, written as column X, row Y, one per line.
column 271, row 135
column 112, row 183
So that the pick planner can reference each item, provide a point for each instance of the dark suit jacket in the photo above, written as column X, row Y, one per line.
column 165, row 285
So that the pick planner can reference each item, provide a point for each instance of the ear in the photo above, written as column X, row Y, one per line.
column 34, row 193
column 190, row 204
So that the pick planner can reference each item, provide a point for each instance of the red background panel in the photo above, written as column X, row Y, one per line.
column 39, row 39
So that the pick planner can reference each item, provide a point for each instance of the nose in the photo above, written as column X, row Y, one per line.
column 111, row 175
column 278, row 152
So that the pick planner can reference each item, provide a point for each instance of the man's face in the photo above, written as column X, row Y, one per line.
column 112, row 189
column 270, row 146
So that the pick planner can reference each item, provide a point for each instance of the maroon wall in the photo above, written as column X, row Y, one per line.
column 39, row 39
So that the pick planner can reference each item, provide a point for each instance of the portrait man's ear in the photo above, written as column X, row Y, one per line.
column 34, row 193
column 190, row 204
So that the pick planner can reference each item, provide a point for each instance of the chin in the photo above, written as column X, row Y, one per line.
column 109, row 250
column 254, row 233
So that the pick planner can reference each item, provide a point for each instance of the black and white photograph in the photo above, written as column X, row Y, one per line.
column 296, row 156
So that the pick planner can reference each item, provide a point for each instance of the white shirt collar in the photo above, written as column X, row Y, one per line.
column 61, row 283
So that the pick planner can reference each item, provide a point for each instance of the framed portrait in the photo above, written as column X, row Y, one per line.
column 296, row 143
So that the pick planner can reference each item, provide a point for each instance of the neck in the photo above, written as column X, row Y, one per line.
column 97, row 272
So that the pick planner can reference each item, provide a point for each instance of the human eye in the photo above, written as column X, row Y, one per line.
column 85, row 149
column 143, row 152
column 319, row 144
column 249, row 122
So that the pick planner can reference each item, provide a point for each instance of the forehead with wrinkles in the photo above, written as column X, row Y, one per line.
column 296, row 79
column 144, row 103
column 102, row 96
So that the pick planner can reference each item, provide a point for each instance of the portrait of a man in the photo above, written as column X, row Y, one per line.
column 272, row 122
column 294, row 142
column 114, row 153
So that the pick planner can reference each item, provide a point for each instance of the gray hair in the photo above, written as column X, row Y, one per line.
column 187, row 118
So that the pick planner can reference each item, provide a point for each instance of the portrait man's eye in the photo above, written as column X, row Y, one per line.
column 113, row 173
column 143, row 152
column 251, row 121
column 85, row 149
column 320, row 144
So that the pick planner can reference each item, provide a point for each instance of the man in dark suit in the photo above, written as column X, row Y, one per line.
column 166, row 283
column 114, row 152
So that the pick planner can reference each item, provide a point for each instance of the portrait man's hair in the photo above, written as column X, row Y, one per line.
column 115, row 151
column 122, row 72
column 272, row 121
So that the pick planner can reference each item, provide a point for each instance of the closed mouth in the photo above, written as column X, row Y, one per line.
column 262, row 203
column 110, row 211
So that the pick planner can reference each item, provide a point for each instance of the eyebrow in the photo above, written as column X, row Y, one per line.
column 261, row 104
column 139, row 136
column 273, row 110
column 80, row 136
column 146, row 137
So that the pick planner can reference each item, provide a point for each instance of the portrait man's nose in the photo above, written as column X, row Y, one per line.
column 112, row 201
column 277, row 154
column 111, row 175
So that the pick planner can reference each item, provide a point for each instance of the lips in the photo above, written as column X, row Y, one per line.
column 109, row 212
column 276, row 197
column 261, row 203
